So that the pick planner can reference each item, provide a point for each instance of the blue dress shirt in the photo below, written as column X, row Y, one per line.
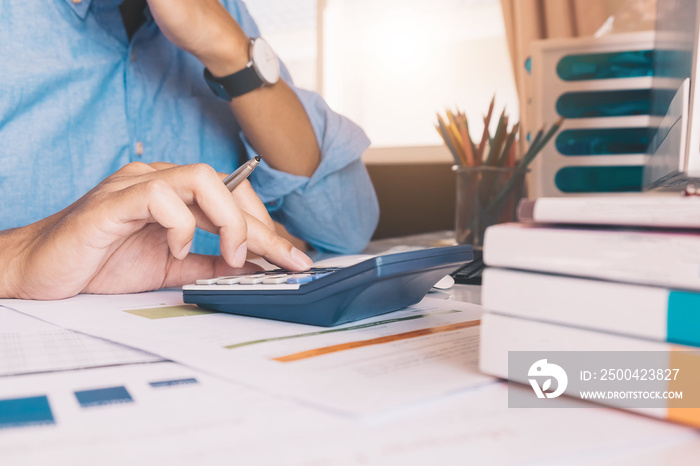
column 78, row 100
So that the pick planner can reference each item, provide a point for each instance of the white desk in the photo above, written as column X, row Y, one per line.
column 214, row 422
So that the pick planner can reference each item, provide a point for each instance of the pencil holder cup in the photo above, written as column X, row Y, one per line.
column 486, row 196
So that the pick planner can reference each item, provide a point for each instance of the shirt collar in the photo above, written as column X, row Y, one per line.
column 79, row 7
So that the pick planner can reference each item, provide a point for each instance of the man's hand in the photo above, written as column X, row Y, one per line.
column 133, row 232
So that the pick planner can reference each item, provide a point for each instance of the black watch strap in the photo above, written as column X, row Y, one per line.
column 234, row 85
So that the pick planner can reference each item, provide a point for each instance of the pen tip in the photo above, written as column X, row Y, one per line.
column 258, row 158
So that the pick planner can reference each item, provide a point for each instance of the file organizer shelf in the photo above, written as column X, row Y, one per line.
column 602, row 87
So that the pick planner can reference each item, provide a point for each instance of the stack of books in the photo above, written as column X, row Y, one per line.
column 596, row 274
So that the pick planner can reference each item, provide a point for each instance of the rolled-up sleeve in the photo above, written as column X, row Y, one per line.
column 336, row 209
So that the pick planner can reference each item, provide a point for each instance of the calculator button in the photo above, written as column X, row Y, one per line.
column 305, row 278
column 300, row 278
column 207, row 281
column 253, row 279
column 229, row 280
column 276, row 279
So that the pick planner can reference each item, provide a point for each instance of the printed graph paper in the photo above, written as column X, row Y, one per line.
column 28, row 345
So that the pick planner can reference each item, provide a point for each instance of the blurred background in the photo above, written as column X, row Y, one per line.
column 390, row 65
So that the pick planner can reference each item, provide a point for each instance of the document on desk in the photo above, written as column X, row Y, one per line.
column 421, row 352
column 29, row 346
column 167, row 414
column 157, row 413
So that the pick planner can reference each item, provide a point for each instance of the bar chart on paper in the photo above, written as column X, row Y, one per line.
column 157, row 413
column 49, row 399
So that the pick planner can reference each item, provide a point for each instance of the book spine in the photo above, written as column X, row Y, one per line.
column 660, row 211
column 638, row 311
column 650, row 258
column 633, row 310
column 503, row 334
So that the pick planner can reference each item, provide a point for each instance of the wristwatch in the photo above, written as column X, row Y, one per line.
column 263, row 69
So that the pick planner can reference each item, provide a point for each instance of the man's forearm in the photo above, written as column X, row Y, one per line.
column 272, row 118
column 277, row 126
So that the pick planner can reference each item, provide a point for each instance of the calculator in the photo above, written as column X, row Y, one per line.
column 331, row 295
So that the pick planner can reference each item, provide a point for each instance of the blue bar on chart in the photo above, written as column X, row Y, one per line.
column 103, row 396
column 25, row 412
column 172, row 383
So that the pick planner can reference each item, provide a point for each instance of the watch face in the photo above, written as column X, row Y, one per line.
column 265, row 61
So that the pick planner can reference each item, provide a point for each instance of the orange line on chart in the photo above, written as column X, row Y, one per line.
column 376, row 341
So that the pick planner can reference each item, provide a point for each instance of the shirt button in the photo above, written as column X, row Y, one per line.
column 139, row 149
column 77, row 1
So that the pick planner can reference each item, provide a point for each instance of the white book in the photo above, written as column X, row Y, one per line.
column 665, row 211
column 662, row 258
column 501, row 336
column 640, row 311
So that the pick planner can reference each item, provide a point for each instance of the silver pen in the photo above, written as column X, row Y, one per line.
column 242, row 172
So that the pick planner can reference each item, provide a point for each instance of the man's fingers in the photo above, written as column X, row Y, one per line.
column 244, row 195
column 200, row 184
column 263, row 242
column 154, row 200
column 274, row 248
column 182, row 197
column 196, row 266
column 248, row 200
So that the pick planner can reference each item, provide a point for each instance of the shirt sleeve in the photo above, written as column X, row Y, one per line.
column 336, row 209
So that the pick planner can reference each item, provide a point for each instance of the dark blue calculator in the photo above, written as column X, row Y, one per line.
column 329, row 296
